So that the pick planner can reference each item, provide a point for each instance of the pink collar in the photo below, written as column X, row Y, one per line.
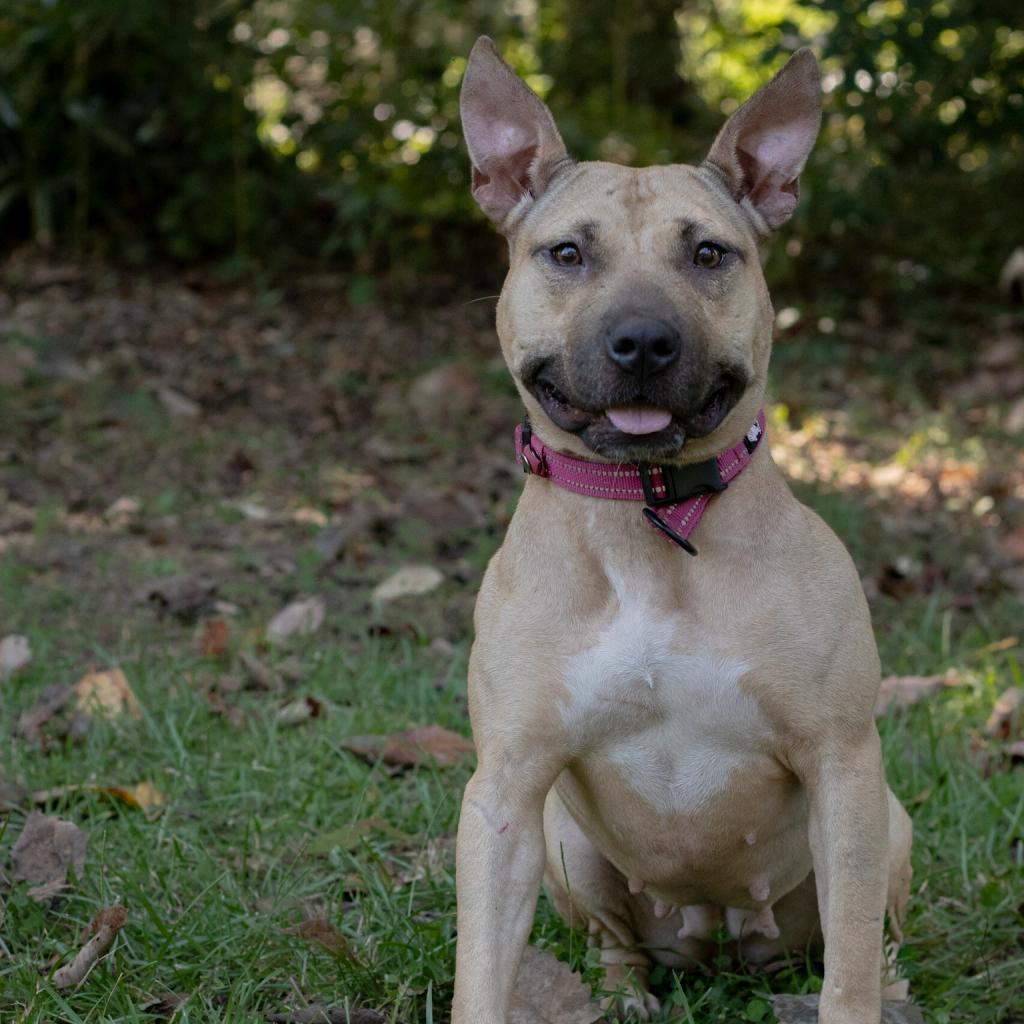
column 679, row 493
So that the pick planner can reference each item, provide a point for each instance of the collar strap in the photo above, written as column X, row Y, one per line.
column 675, row 497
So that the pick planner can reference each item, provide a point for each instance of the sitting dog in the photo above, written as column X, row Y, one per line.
column 674, row 674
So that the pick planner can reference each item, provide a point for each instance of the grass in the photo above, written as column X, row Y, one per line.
column 265, row 825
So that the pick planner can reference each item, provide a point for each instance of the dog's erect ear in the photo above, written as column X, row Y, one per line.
column 763, row 147
column 512, row 139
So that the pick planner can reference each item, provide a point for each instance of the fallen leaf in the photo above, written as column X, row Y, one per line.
column 184, row 596
column 50, row 703
column 259, row 673
column 15, row 654
column 409, row 581
column 412, row 748
column 433, row 860
column 547, row 991
column 123, row 510
column 323, row 933
column 166, row 1005
column 1014, row 422
column 1006, row 644
column 254, row 511
column 1004, row 722
column 804, row 1010
column 444, row 393
column 12, row 795
column 1011, row 277
column 178, row 404
column 299, row 711
column 106, row 694
column 903, row 691
column 340, row 485
column 44, row 851
column 143, row 795
column 213, row 641
column 320, row 1013
column 300, row 618
column 1013, row 544
column 105, row 926
column 219, row 706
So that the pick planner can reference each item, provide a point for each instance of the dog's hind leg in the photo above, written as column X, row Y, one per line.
column 588, row 891
column 901, row 835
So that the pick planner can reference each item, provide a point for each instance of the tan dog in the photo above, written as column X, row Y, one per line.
column 682, row 747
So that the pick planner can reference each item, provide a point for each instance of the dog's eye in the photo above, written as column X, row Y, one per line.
column 565, row 254
column 708, row 255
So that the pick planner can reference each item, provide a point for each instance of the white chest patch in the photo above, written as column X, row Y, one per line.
column 662, row 705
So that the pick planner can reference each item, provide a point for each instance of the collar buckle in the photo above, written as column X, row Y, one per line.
column 530, row 459
column 680, row 482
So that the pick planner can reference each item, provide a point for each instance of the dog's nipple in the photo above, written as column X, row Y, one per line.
column 765, row 923
column 635, row 886
column 750, row 838
column 760, row 889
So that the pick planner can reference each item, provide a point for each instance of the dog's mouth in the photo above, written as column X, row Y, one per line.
column 642, row 428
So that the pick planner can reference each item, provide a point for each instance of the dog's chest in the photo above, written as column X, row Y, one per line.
column 664, row 704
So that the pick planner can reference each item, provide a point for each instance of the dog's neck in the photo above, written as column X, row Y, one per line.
column 673, row 499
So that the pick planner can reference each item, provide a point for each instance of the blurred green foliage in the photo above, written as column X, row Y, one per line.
column 303, row 130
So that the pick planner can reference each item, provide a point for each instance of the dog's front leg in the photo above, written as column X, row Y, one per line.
column 849, row 828
column 499, row 864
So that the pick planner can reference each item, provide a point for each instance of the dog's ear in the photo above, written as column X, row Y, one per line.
column 511, row 135
column 763, row 147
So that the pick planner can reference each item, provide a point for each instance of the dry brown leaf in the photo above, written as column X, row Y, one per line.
column 547, row 991
column 299, row 711
column 1013, row 544
column 50, row 703
column 300, row 618
column 44, row 851
column 323, row 933
column 1014, row 422
column 103, row 930
column 166, row 1005
column 12, row 795
column 409, row 581
column 804, row 1010
column 217, row 703
column 213, row 640
column 259, row 673
column 183, row 596
column 445, row 393
column 143, row 795
column 1004, row 722
column 106, row 694
column 412, row 748
column 903, row 691
column 1011, row 277
column 177, row 404
column 15, row 654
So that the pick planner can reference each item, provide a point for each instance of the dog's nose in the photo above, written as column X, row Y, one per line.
column 643, row 346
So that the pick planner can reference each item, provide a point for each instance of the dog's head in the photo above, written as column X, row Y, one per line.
column 635, row 317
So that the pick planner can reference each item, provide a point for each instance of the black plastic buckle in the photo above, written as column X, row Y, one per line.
column 652, row 517
column 526, row 439
column 682, row 482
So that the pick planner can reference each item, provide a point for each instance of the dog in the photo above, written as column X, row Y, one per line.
column 674, row 673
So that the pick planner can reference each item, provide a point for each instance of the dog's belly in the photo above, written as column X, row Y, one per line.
column 673, row 776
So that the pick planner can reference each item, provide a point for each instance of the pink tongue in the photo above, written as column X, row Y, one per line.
column 639, row 419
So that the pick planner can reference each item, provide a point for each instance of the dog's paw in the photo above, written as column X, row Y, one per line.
column 631, row 1006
